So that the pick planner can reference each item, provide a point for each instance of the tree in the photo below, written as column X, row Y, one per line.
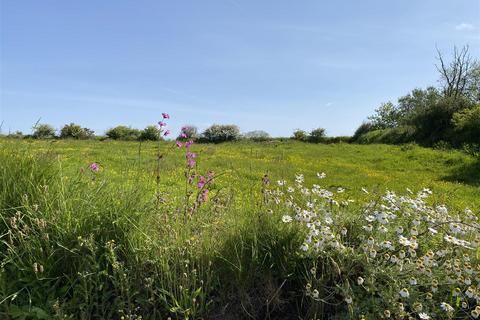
column 75, row 131
column 458, row 77
column 123, row 133
column 317, row 135
column 257, row 135
column 220, row 133
column 386, row 116
column 300, row 135
column 151, row 133
column 43, row 131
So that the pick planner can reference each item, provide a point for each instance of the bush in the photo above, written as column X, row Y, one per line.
column 16, row 135
column 123, row 133
column 317, row 135
column 43, row 131
column 300, row 135
column 397, row 135
column 467, row 124
column 75, row 131
column 221, row 133
column 362, row 129
column 257, row 135
column 150, row 133
column 188, row 132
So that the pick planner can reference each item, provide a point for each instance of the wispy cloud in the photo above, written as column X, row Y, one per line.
column 465, row 27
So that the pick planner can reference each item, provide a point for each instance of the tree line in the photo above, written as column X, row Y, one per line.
column 445, row 114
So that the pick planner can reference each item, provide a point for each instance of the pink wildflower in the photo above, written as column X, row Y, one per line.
column 166, row 133
column 179, row 144
column 204, row 196
column 94, row 167
column 162, row 124
column 165, row 115
column 188, row 144
column 190, row 163
column 201, row 182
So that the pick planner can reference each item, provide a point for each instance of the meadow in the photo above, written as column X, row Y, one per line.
column 133, row 238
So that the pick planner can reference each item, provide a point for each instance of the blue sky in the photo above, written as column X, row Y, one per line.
column 261, row 64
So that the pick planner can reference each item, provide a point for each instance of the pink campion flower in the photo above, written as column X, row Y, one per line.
column 188, row 144
column 190, row 155
column 190, row 163
column 183, row 135
column 204, row 196
column 166, row 133
column 201, row 182
column 94, row 167
column 178, row 144
column 210, row 175
column 162, row 124
column 165, row 115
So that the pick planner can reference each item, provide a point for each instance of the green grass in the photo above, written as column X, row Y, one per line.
column 231, row 258
column 453, row 176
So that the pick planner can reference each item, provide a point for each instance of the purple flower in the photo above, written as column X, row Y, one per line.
column 183, row 135
column 210, row 175
column 94, row 167
column 162, row 124
column 201, row 182
column 190, row 163
column 178, row 144
column 166, row 133
column 190, row 155
column 165, row 115
column 188, row 144
column 184, row 129
column 204, row 196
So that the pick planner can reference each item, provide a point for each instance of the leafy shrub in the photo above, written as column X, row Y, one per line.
column 75, row 131
column 362, row 129
column 188, row 132
column 397, row 135
column 257, row 135
column 467, row 124
column 16, row 135
column 300, row 135
column 43, row 131
column 151, row 133
column 123, row 133
column 221, row 133
column 317, row 135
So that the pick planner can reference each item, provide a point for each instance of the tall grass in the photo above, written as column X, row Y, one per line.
column 78, row 244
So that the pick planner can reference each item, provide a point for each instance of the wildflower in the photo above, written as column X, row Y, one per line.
column 201, row 182
column 162, row 124
column 304, row 247
column 94, row 167
column 446, row 307
column 368, row 228
column 360, row 281
column 165, row 115
column 315, row 294
column 179, row 144
column 321, row 175
column 475, row 313
column 166, row 133
column 348, row 300
column 340, row 190
column 423, row 315
column 413, row 281
column 404, row 293
column 286, row 218
column 183, row 135
column 204, row 196
column 190, row 163
column 387, row 313
column 344, row 231
column 188, row 143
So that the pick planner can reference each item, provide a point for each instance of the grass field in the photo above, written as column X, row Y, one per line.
column 114, row 249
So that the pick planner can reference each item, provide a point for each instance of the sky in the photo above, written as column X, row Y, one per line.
column 274, row 65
